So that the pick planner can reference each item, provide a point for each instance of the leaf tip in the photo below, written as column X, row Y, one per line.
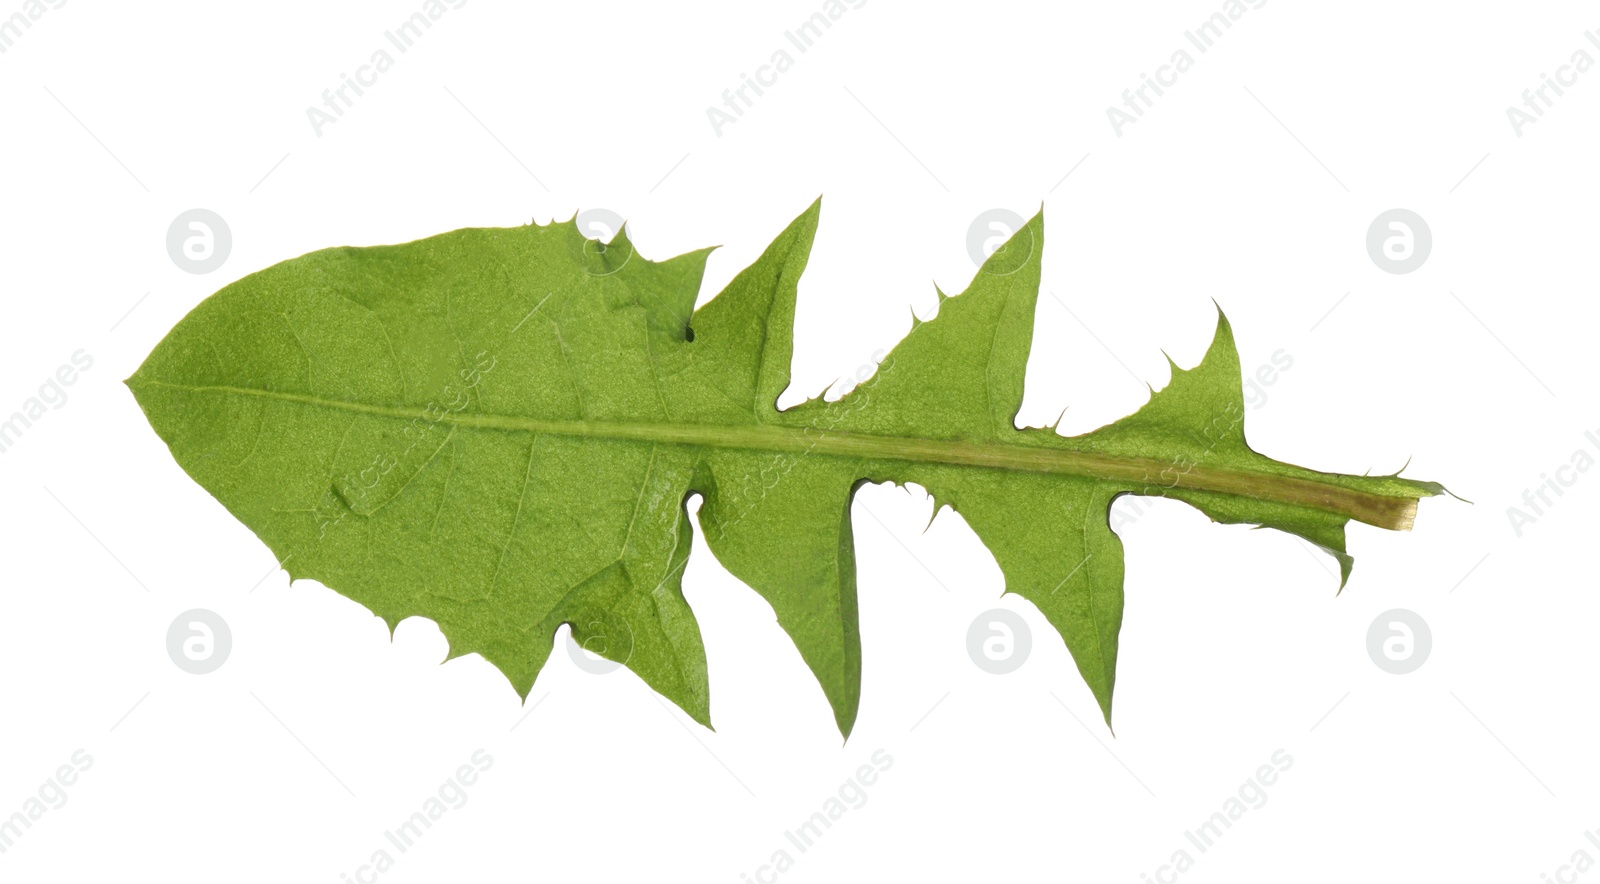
column 846, row 720
column 522, row 690
column 1105, row 709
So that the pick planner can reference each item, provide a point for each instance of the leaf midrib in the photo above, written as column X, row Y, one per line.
column 1151, row 476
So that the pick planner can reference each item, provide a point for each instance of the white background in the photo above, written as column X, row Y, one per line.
column 1252, row 181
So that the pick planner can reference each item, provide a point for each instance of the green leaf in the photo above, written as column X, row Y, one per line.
column 499, row 430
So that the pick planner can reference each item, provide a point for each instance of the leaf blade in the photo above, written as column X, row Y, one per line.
column 499, row 429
